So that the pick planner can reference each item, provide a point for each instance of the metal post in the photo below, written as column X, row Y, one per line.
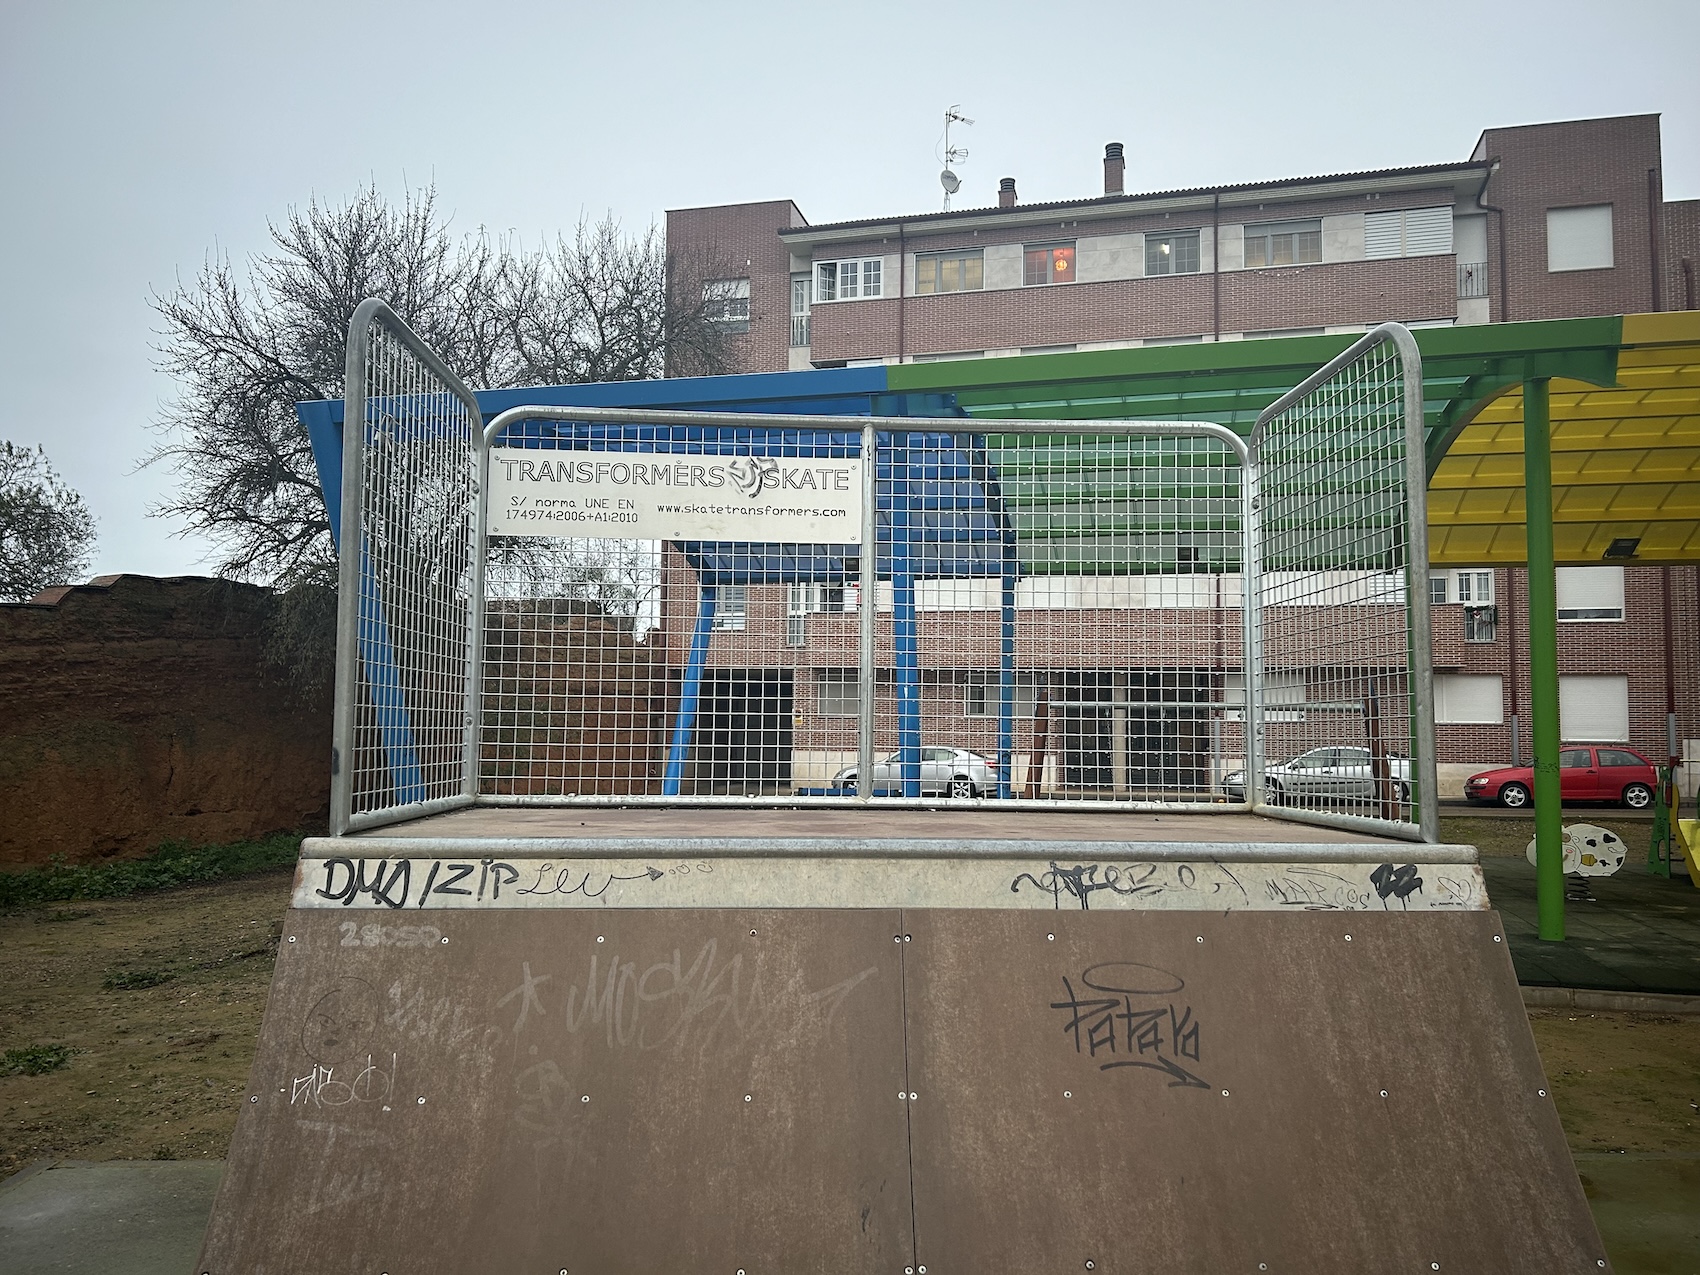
column 1543, row 661
column 867, row 593
column 475, row 620
column 1251, row 619
column 685, row 723
column 906, row 647
column 1006, row 668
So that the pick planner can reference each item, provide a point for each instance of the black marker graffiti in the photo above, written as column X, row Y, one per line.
column 1397, row 883
column 1085, row 879
column 1156, row 1037
column 563, row 881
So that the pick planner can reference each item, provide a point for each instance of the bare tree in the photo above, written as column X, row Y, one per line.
column 46, row 531
column 245, row 345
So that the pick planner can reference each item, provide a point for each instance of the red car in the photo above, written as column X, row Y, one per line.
column 1616, row 775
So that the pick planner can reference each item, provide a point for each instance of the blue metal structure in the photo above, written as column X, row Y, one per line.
column 939, row 514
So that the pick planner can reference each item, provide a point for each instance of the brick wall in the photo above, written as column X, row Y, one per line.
column 1565, row 165
column 1682, row 255
column 740, row 240
column 137, row 711
column 1351, row 292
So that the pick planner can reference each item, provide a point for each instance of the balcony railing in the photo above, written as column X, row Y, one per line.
column 799, row 329
column 1472, row 279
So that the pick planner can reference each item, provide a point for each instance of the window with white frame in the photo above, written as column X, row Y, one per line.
column 804, row 600
column 1047, row 263
column 1279, row 688
column 960, row 271
column 1590, row 594
column 1468, row 699
column 1408, row 232
column 727, row 302
column 984, row 695
column 1172, row 254
column 1283, row 243
column 1579, row 239
column 854, row 279
column 731, row 607
column 837, row 692
column 1469, row 587
column 1594, row 709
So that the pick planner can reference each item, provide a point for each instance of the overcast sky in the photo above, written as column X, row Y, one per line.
column 136, row 138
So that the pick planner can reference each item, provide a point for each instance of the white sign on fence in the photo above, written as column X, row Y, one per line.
column 672, row 496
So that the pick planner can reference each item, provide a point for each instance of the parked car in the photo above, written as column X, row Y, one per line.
column 1618, row 775
column 953, row 772
column 1325, row 774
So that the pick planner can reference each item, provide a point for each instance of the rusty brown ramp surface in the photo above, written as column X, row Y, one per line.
column 1282, row 1092
column 586, row 1091
column 654, row 1089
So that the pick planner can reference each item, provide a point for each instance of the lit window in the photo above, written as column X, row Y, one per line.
column 1172, row 254
column 727, row 301
column 1052, row 263
column 849, row 280
column 730, row 607
column 949, row 272
column 1287, row 243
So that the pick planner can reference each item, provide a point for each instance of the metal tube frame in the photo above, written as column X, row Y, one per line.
column 1421, row 643
column 350, row 552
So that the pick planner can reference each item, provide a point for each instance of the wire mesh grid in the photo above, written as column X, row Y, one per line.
column 1340, row 685
column 1056, row 617
column 411, row 629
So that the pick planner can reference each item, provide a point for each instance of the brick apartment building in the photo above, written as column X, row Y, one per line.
column 1545, row 221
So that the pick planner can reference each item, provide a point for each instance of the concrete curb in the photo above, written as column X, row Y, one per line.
column 1624, row 1002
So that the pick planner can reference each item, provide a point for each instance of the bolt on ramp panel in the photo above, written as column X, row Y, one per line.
column 614, row 1091
column 1036, row 1089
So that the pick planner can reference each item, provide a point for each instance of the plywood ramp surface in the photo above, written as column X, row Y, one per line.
column 720, row 1090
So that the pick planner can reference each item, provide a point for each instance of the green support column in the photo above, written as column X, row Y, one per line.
column 1543, row 661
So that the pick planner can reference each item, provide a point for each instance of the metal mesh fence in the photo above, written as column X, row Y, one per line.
column 1344, row 716
column 408, row 578
column 1057, row 615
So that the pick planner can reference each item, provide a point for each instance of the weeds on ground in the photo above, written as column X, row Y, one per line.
column 172, row 864
column 34, row 1060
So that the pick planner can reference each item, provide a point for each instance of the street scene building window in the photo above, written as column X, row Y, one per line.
column 1594, row 709
column 1283, row 243
column 1048, row 263
column 727, row 302
column 731, row 607
column 799, row 309
column 852, row 280
column 837, row 692
column 1579, row 239
column 1590, row 594
column 1408, row 232
column 1172, row 254
column 1468, row 699
column 804, row 600
column 951, row 272
column 984, row 693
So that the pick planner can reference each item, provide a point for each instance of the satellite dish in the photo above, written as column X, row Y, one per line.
column 950, row 181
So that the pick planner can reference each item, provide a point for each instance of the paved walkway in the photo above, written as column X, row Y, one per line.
column 76, row 1217
column 1638, row 933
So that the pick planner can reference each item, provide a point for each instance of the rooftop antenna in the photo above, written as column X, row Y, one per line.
column 952, row 154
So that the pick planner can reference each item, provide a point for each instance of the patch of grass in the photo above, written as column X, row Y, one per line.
column 34, row 1060
column 173, row 864
column 1507, row 836
column 134, row 980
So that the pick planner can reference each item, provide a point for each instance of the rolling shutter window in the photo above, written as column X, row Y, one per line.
column 1594, row 709
column 1468, row 699
column 1411, row 232
column 1579, row 238
column 1590, row 593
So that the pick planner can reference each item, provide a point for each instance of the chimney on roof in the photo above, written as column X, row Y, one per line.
column 1006, row 193
column 1114, row 168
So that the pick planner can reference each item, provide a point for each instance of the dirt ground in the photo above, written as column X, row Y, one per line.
column 160, row 997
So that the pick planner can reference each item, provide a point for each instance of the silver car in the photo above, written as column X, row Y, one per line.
column 1324, row 775
column 952, row 772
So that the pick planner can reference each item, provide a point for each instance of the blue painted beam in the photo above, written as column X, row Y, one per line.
column 685, row 724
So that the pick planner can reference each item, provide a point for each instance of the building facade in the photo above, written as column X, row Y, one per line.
column 1545, row 221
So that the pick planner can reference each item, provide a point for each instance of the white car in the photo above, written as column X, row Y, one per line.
column 953, row 772
column 1325, row 775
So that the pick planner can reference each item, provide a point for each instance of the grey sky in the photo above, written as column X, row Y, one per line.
column 136, row 138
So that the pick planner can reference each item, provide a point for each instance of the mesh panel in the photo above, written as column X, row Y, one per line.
column 1057, row 617
column 417, row 490
column 1338, row 690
